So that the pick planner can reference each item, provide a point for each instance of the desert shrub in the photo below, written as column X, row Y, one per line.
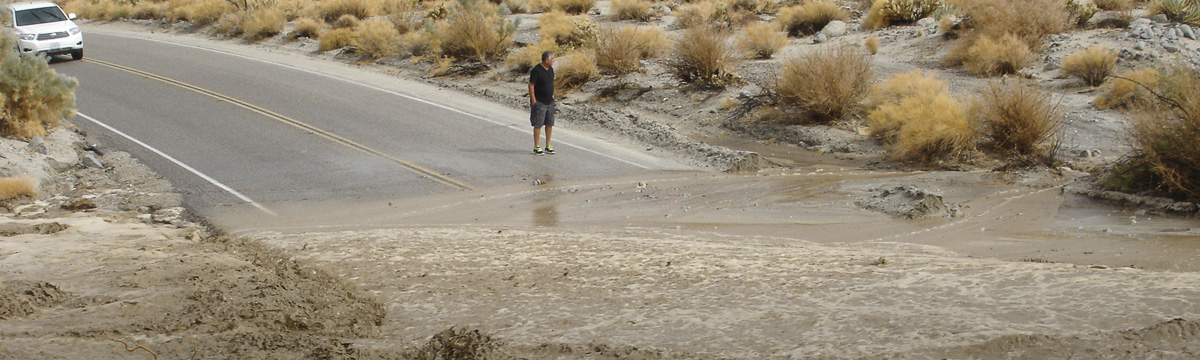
column 1187, row 11
column 1018, row 118
column 705, row 54
column 762, row 40
column 829, row 83
column 331, row 10
column 420, row 43
column 230, row 24
column 479, row 31
column 986, row 56
column 33, row 97
column 334, row 39
column 1130, row 90
column 120, row 12
column 150, row 11
column 574, row 69
column 1080, row 11
column 810, row 17
column 377, row 38
column 621, row 51
column 884, row 13
column 1113, row 5
column 17, row 186
column 346, row 21
column 307, row 28
column 751, row 6
column 1167, row 140
column 574, row 6
column 1091, row 65
column 1031, row 21
column 525, row 58
column 200, row 12
column 403, row 14
column 87, row 9
column 570, row 32
column 915, row 116
column 637, row 10
column 872, row 45
column 705, row 13
column 263, row 23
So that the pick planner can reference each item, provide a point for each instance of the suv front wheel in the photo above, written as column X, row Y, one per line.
column 77, row 54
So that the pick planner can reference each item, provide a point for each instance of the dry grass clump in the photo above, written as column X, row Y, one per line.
column 752, row 6
column 1130, row 90
column 621, row 51
column 150, row 11
column 377, row 38
column 307, row 28
column 524, row 59
column 707, row 13
column 331, row 10
column 17, row 186
column 478, row 31
column 810, row 17
column 1113, row 5
column 574, row 69
column 1018, row 118
column 872, row 45
column 986, row 56
column 263, row 23
column 884, row 13
column 403, row 14
column 200, row 12
column 1166, row 142
column 570, row 32
column 1092, row 65
column 705, row 54
column 346, row 21
column 334, row 39
column 1030, row 20
column 828, row 83
column 1080, row 11
column 575, row 7
column 33, row 97
column 763, row 40
column 915, row 116
column 637, row 10
column 1187, row 11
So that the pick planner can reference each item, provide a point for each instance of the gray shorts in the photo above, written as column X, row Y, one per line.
column 541, row 115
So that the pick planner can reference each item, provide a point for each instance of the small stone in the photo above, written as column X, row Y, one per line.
column 834, row 29
column 1170, row 48
column 1145, row 34
column 1051, row 66
column 91, row 161
column 1186, row 31
column 820, row 38
column 1160, row 18
column 37, row 145
column 927, row 22
column 1139, row 22
column 1141, row 45
column 665, row 10
column 1156, row 31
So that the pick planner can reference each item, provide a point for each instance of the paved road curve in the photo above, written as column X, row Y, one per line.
column 233, row 130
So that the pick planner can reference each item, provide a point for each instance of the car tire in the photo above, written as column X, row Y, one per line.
column 77, row 54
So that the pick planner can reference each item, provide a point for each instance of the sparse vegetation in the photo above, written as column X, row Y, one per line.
column 570, row 32
column 705, row 13
column 622, row 50
column 1187, row 11
column 18, row 186
column 1019, row 118
column 1113, row 5
column 1002, row 35
column 478, row 31
column 1166, row 142
column 810, row 17
column 1081, row 11
column 827, row 83
column 525, row 58
column 1130, row 90
column 263, row 23
column 33, row 97
column 346, row 21
column 915, row 116
column 762, row 40
column 575, row 7
column 705, row 54
column 872, row 45
column 884, row 13
column 574, row 69
column 1092, row 65
column 377, row 38
column 991, row 57
column 307, row 28
column 200, row 12
column 331, row 10
column 334, row 39
column 637, row 10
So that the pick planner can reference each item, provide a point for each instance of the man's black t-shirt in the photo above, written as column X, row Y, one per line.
column 543, row 83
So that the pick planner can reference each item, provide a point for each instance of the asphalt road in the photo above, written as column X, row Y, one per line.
column 234, row 131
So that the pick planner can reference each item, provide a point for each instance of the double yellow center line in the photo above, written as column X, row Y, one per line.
column 419, row 170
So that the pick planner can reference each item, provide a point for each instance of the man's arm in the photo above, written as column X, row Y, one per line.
column 532, row 98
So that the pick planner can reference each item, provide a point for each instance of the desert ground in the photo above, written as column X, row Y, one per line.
column 814, row 247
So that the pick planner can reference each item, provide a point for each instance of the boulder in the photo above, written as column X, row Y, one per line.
column 37, row 145
column 1160, row 18
column 1139, row 22
column 91, row 161
column 1187, row 32
column 820, row 38
column 834, row 29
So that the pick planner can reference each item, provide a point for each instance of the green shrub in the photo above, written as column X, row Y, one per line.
column 829, row 83
column 1019, row 118
column 34, row 96
column 705, row 54
column 1092, row 65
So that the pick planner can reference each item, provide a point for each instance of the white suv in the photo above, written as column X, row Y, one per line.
column 43, row 29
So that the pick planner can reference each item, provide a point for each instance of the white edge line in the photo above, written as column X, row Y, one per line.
column 372, row 87
column 181, row 164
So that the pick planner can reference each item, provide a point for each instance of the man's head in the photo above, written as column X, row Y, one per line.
column 547, row 58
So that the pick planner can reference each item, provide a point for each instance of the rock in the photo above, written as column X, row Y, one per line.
column 1170, row 34
column 1145, row 34
column 1157, row 32
column 834, row 29
column 820, row 38
column 91, row 161
column 1170, row 48
column 61, row 145
column 1160, row 18
column 1051, row 66
column 665, row 10
column 172, row 216
column 1141, row 45
column 927, row 22
column 37, row 145
column 1186, row 31
column 1139, row 22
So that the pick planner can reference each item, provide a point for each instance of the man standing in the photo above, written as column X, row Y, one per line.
column 541, row 101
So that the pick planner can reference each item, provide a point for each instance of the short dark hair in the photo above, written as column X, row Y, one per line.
column 546, row 55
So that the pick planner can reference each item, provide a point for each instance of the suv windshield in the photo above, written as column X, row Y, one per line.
column 40, row 16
